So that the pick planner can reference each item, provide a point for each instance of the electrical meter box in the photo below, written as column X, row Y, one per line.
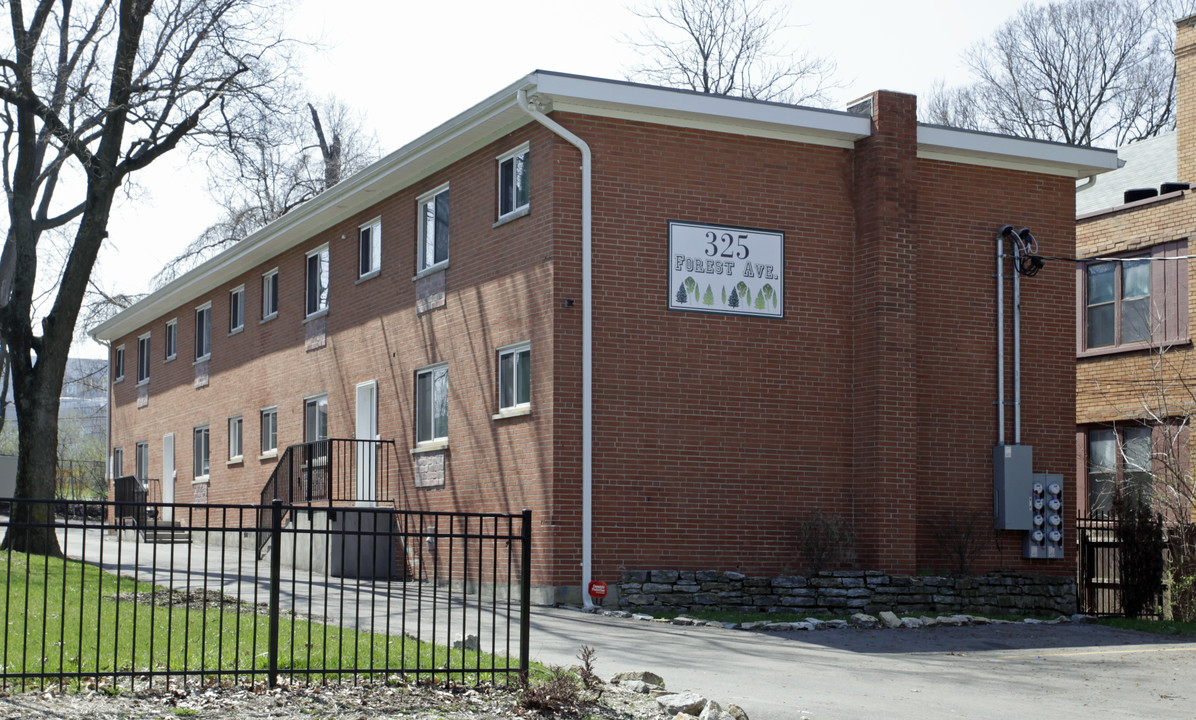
column 1012, row 481
column 1044, row 541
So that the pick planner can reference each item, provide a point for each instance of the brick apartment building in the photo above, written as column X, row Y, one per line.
column 1135, row 367
column 787, row 310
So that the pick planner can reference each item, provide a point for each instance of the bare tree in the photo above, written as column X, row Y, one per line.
column 1075, row 71
column 726, row 47
column 94, row 91
column 284, row 159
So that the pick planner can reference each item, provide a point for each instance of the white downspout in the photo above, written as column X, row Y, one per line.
column 587, row 345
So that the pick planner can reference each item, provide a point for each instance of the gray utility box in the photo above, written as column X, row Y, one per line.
column 362, row 543
column 1013, row 481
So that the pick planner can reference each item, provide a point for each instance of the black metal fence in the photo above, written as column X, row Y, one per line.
column 342, row 593
column 1099, row 560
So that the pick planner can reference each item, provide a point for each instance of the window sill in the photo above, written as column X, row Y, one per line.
column 268, row 318
column 169, row 359
column 201, row 479
column 119, row 379
column 442, row 265
column 316, row 315
column 236, row 331
column 1136, row 347
column 512, row 412
column 513, row 215
column 431, row 446
column 143, row 382
column 238, row 460
column 369, row 276
column 268, row 455
column 203, row 359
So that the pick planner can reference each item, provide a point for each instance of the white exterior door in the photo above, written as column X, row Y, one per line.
column 367, row 429
column 168, row 475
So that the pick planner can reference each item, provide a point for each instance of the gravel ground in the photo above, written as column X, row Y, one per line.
column 308, row 703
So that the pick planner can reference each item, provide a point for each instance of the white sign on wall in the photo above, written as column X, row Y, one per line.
column 726, row 269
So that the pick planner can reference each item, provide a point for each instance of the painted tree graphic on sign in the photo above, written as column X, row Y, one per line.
column 682, row 296
column 724, row 295
column 708, row 298
column 733, row 300
column 760, row 301
column 691, row 287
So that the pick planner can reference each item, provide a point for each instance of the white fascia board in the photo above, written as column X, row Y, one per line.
column 683, row 108
column 451, row 141
column 1002, row 151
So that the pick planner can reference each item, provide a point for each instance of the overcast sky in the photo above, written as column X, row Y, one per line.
column 410, row 66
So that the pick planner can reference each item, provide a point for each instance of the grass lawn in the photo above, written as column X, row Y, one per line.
column 65, row 616
column 1159, row 627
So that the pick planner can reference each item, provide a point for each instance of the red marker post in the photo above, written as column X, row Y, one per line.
column 598, row 590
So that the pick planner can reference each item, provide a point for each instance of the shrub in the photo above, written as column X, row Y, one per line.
column 1140, row 533
column 826, row 540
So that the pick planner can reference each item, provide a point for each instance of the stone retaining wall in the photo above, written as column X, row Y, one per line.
column 848, row 591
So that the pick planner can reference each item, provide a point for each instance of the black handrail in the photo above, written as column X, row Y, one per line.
column 337, row 470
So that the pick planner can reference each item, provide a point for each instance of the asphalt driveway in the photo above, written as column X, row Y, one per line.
column 996, row 671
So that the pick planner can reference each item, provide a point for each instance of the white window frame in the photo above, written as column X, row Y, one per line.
column 143, row 359
column 269, row 294
column 201, row 453
column 172, row 339
column 272, row 413
column 118, row 359
column 236, row 310
column 205, row 312
column 423, row 266
column 427, row 436
column 319, row 400
column 516, row 209
column 118, row 461
column 369, row 256
column 236, row 438
column 141, row 460
column 323, row 264
column 516, row 407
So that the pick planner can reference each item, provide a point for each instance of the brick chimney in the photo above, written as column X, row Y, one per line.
column 1185, row 110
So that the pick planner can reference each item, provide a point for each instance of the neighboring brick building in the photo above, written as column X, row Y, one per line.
column 1135, row 369
column 792, row 310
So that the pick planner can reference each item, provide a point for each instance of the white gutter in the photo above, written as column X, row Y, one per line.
column 587, row 346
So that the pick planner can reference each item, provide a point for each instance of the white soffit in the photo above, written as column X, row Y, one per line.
column 1002, row 151
column 683, row 108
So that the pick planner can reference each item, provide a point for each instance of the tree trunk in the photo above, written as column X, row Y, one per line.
column 32, row 528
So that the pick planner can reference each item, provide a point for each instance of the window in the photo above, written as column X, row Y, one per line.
column 172, row 339
column 269, row 430
column 141, row 460
column 317, row 281
column 514, row 377
column 118, row 462
column 1120, row 456
column 512, row 182
column 315, row 429
column 200, row 450
column 434, row 228
column 118, row 364
column 143, row 358
column 236, row 310
column 315, row 418
column 369, row 248
column 431, row 404
column 203, row 332
column 270, row 294
column 1133, row 302
column 234, row 438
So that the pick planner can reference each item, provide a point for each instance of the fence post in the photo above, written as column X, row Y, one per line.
column 525, row 593
column 275, row 582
